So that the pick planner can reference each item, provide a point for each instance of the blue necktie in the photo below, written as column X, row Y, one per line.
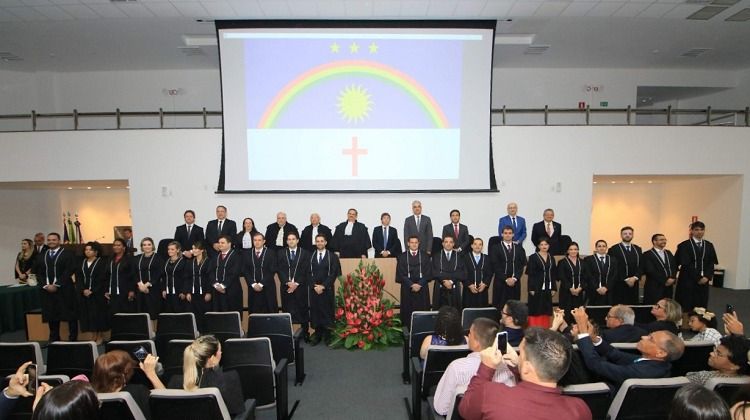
column 293, row 254
column 476, row 258
column 385, row 237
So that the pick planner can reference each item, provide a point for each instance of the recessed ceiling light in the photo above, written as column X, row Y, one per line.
column 631, row 182
column 650, row 182
column 613, row 182
column 70, row 188
column 88, row 188
column 127, row 187
column 108, row 187
column 595, row 182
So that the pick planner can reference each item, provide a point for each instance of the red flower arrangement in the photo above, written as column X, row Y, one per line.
column 364, row 319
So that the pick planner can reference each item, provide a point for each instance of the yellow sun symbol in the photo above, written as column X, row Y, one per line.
column 354, row 104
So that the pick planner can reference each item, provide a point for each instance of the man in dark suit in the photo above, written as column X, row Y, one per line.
column 696, row 258
column 515, row 221
column 218, row 227
column 54, row 272
column 459, row 231
column 449, row 273
column 351, row 239
column 544, row 358
column 660, row 268
column 224, row 274
column 307, row 238
column 385, row 239
column 419, row 225
column 620, row 326
column 629, row 268
column 657, row 351
column 549, row 229
column 188, row 234
column 39, row 246
column 276, row 233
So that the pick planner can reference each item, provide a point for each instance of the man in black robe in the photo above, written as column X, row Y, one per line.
column 218, row 227
column 629, row 269
column 277, row 232
column 324, row 269
column 413, row 273
column 224, row 275
column 508, row 260
column 449, row 272
column 293, row 267
column 696, row 258
column 259, row 269
column 478, row 276
column 54, row 270
column 660, row 268
column 307, row 237
column 351, row 239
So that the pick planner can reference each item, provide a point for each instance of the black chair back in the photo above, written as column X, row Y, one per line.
column 23, row 409
column 13, row 355
column 171, row 359
column 645, row 399
column 468, row 315
column 278, row 329
column 222, row 325
column 728, row 388
column 598, row 314
column 643, row 314
column 119, row 406
column 438, row 359
column 131, row 327
column 71, row 358
column 422, row 325
column 252, row 358
column 175, row 326
column 201, row 404
column 694, row 359
column 595, row 395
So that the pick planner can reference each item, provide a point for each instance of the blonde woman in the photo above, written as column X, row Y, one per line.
column 25, row 261
column 668, row 314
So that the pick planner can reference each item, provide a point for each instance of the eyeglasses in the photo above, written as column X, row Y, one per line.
column 657, row 306
column 506, row 314
column 608, row 316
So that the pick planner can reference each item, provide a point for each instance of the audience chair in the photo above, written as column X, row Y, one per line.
column 171, row 359
column 130, row 327
column 71, row 358
column 129, row 347
column 285, row 342
column 203, row 403
column 177, row 326
column 13, row 355
column 598, row 314
column 595, row 395
column 694, row 359
column 223, row 325
column 727, row 387
column 422, row 325
column 453, row 413
column 119, row 406
column 643, row 314
column 24, row 406
column 425, row 379
column 262, row 378
column 645, row 399
column 468, row 315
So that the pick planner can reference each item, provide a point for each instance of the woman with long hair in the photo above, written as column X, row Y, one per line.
column 175, row 280
column 199, row 296
column 243, row 240
column 148, row 266
column 24, row 261
column 121, row 280
column 572, row 280
column 448, row 331
column 113, row 371
column 542, row 273
column 91, row 284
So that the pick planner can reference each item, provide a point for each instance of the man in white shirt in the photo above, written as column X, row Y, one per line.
column 311, row 231
column 460, row 371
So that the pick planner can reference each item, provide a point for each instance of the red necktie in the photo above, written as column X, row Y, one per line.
column 455, row 230
column 223, row 257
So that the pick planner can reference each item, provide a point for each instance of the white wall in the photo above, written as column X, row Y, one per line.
column 187, row 163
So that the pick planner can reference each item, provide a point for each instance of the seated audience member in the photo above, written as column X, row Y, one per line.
column 513, row 318
column 657, row 350
column 703, row 323
column 668, row 314
column 201, row 370
column 694, row 402
column 448, row 331
column 113, row 370
column 16, row 388
column 620, row 328
column 729, row 359
column 73, row 400
column 459, row 372
column 544, row 358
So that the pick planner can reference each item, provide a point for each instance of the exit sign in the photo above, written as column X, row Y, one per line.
column 604, row 104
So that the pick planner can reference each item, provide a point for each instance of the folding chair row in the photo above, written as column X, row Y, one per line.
column 422, row 325
column 172, row 404
column 424, row 378
column 13, row 355
column 24, row 406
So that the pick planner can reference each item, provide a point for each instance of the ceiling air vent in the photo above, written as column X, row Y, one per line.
column 536, row 49
column 707, row 12
column 191, row 51
column 695, row 52
column 9, row 56
column 741, row 16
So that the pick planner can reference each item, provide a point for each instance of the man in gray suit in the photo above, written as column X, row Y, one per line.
column 459, row 232
column 419, row 225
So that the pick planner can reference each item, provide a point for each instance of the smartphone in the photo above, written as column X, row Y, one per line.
column 730, row 308
column 502, row 341
column 33, row 382
column 140, row 353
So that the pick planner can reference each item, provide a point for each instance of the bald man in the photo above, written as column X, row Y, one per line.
column 515, row 221
column 307, row 238
column 277, row 232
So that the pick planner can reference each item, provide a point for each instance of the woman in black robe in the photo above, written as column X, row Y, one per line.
column 176, row 281
column 570, row 273
column 542, row 271
column 120, row 291
column 148, row 268
column 91, row 283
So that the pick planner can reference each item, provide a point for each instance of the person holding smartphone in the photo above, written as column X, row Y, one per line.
column 17, row 387
column 113, row 371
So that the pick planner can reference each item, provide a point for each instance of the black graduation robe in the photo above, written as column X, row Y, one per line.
column 571, row 275
column 476, row 273
column 121, row 282
column 260, row 270
column 61, row 305
column 92, row 310
column 354, row 245
column 453, row 269
column 599, row 275
column 657, row 272
column 629, row 263
column 294, row 268
column 226, row 272
column 200, row 287
column 148, row 270
column 324, row 273
column 306, row 240
column 695, row 262
column 176, row 281
column 411, row 269
column 507, row 263
column 272, row 232
column 541, row 275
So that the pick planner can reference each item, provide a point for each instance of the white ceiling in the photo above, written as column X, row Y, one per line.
column 79, row 35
